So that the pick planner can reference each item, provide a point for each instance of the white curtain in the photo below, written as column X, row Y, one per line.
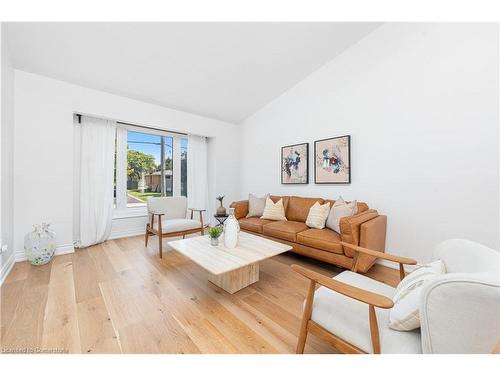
column 197, row 185
column 95, row 180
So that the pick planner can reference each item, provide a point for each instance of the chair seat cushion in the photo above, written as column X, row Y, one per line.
column 253, row 224
column 286, row 230
column 347, row 318
column 177, row 225
column 323, row 239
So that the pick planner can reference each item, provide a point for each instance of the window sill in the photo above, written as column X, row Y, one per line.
column 129, row 212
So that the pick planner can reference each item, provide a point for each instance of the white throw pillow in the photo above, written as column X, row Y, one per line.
column 317, row 216
column 405, row 316
column 256, row 205
column 274, row 211
column 339, row 210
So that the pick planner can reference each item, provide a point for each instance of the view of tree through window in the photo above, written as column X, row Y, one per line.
column 144, row 166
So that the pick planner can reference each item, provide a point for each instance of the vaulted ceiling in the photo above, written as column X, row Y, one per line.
column 226, row 71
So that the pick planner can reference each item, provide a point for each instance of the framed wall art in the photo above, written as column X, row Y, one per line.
column 295, row 164
column 332, row 160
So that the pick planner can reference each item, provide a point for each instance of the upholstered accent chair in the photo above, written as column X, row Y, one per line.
column 459, row 310
column 171, row 219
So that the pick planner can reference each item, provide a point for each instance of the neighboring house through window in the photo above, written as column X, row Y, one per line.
column 148, row 163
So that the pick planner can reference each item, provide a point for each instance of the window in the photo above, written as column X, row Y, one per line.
column 148, row 164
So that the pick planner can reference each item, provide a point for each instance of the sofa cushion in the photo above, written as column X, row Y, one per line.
column 274, row 211
column 177, row 225
column 323, row 239
column 339, row 210
column 298, row 208
column 256, row 205
column 405, row 315
column 276, row 198
column 317, row 215
column 253, row 224
column 286, row 230
column 362, row 206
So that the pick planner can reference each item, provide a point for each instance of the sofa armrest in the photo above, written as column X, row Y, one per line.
column 240, row 209
column 350, row 228
column 372, row 236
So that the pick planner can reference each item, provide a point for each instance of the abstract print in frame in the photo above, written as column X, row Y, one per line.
column 332, row 160
column 295, row 164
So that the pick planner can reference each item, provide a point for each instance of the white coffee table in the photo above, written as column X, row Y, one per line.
column 230, row 269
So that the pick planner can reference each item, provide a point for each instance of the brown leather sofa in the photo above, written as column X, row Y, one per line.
column 367, row 229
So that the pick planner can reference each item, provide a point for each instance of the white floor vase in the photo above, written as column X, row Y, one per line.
column 231, row 229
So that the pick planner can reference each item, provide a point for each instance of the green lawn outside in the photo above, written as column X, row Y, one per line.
column 143, row 196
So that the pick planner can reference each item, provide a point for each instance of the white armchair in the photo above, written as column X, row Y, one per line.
column 459, row 310
column 172, row 219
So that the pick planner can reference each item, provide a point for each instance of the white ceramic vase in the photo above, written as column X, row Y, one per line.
column 231, row 229
column 40, row 245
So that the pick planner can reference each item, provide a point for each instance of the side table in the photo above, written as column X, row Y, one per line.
column 221, row 219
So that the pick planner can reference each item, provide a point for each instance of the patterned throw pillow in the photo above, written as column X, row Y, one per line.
column 274, row 211
column 405, row 315
column 256, row 205
column 339, row 210
column 317, row 216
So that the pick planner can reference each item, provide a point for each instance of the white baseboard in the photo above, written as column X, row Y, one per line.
column 20, row 255
column 6, row 268
column 126, row 233
column 386, row 263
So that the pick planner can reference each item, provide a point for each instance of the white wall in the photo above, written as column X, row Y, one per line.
column 420, row 102
column 6, row 147
column 43, row 150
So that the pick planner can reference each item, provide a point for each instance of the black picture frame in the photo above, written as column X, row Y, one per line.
column 306, row 144
column 348, row 181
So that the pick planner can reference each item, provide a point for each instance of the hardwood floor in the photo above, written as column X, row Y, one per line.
column 120, row 297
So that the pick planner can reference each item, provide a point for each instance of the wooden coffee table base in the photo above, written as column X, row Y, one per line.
column 237, row 279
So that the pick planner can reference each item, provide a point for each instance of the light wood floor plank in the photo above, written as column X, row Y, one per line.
column 38, row 275
column 60, row 327
column 118, row 261
column 86, row 276
column 19, row 272
column 25, row 330
column 233, row 328
column 183, row 309
column 9, row 301
column 104, row 268
column 97, row 334
column 121, row 297
column 211, row 300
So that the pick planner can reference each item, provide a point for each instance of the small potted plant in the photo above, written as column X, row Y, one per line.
column 214, row 234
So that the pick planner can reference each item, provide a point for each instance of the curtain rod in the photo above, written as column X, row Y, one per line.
column 79, row 115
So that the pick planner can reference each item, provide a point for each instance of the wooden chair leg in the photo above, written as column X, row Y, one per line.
column 183, row 236
column 202, row 228
column 301, row 343
column 146, row 236
column 160, row 238
column 374, row 330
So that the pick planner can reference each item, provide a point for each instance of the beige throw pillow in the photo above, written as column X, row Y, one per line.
column 274, row 211
column 317, row 216
column 405, row 314
column 339, row 210
column 256, row 205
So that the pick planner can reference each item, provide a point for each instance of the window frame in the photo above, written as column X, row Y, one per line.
column 122, row 209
